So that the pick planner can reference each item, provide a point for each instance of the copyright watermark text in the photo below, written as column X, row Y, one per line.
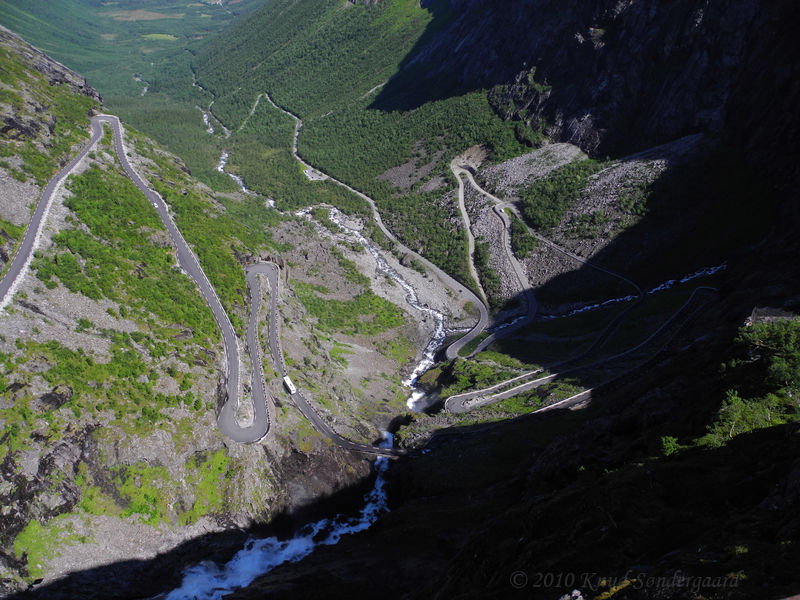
column 594, row 582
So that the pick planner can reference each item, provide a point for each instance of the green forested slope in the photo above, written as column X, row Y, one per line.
column 125, row 47
column 314, row 55
column 325, row 60
column 322, row 59
column 110, row 42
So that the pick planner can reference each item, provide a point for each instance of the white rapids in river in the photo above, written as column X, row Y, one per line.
column 417, row 401
column 210, row 581
column 223, row 161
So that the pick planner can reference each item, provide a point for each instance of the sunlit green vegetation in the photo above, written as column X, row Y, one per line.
column 41, row 543
column 93, row 500
column 470, row 346
column 148, row 490
column 339, row 353
column 465, row 375
column 111, row 261
column 144, row 488
column 366, row 314
column 399, row 348
column 319, row 61
column 522, row 242
column 68, row 110
column 209, row 476
column 765, row 378
column 351, row 271
column 9, row 231
column 423, row 225
column 120, row 53
column 359, row 143
column 159, row 36
column 244, row 227
column 261, row 153
column 117, row 253
column 121, row 387
column 314, row 54
column 489, row 279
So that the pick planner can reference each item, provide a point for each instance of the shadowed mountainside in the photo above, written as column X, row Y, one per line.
column 584, row 71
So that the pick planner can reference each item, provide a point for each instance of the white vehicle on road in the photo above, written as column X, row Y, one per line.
column 289, row 385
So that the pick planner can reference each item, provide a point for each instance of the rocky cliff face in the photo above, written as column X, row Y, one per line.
column 57, row 74
column 612, row 75
column 35, row 96
column 54, row 70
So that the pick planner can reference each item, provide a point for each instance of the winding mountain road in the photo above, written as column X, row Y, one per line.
column 656, row 341
column 30, row 241
column 468, row 231
column 263, row 410
column 500, row 207
column 467, row 401
column 226, row 421
column 524, row 286
column 272, row 273
column 464, row 294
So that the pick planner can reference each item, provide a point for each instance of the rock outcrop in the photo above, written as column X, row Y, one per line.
column 38, row 60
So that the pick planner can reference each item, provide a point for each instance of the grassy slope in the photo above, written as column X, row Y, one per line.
column 314, row 56
column 216, row 236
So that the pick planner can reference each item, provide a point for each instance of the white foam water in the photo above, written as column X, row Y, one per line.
column 507, row 324
column 589, row 307
column 210, row 581
column 701, row 273
column 417, row 401
column 207, row 122
column 223, row 161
